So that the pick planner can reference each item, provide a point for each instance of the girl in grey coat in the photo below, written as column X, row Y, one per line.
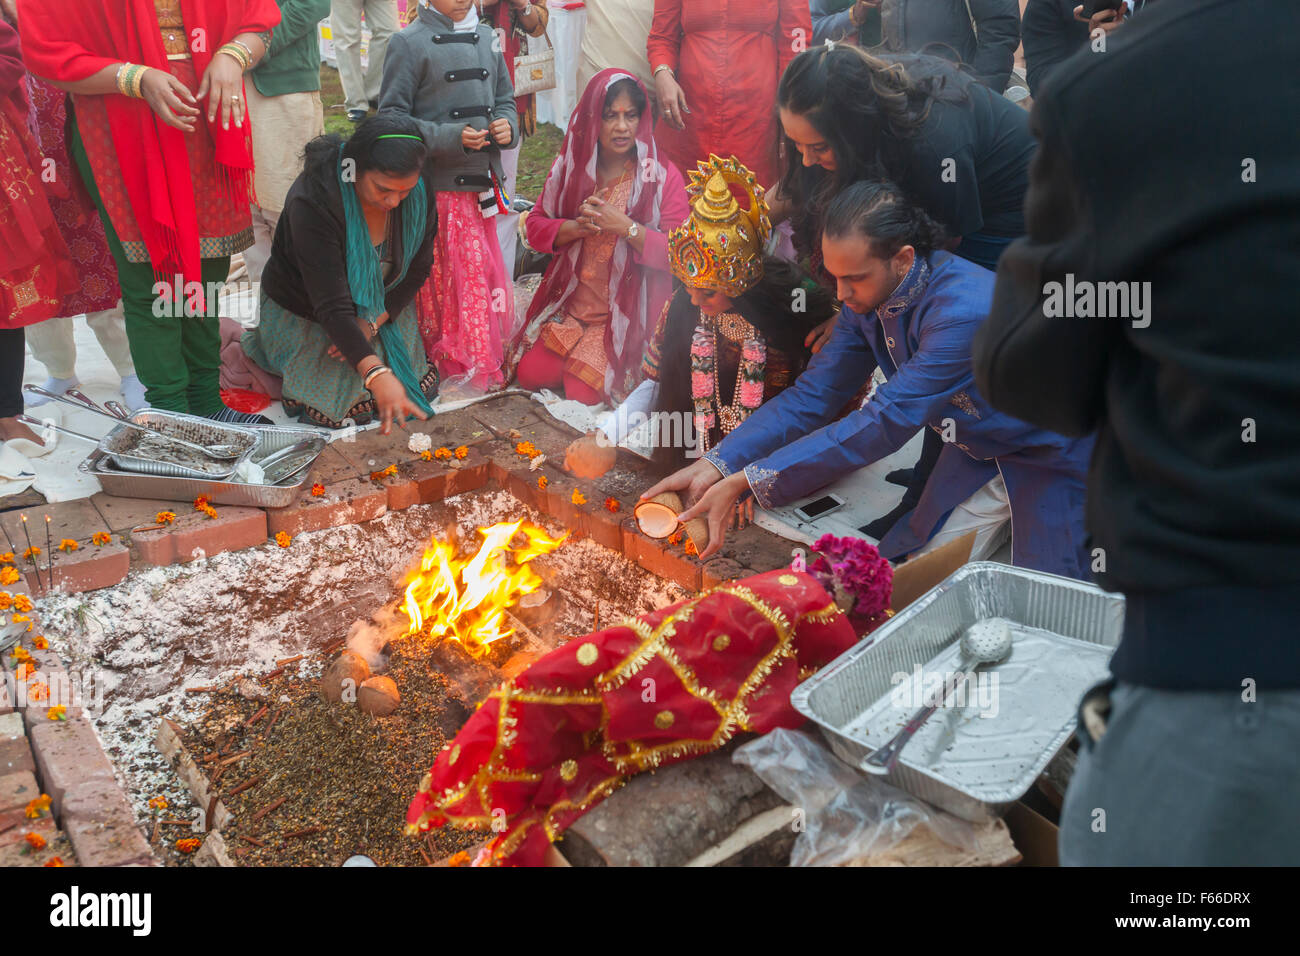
column 447, row 72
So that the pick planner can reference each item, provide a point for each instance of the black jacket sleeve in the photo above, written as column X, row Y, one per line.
column 998, row 26
column 321, row 258
column 1051, row 35
column 1047, row 371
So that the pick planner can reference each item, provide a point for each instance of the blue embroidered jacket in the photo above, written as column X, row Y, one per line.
column 921, row 338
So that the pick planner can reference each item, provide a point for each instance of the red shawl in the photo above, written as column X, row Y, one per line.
column 73, row 39
column 637, row 290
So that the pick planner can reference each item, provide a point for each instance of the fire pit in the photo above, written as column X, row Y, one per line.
column 442, row 600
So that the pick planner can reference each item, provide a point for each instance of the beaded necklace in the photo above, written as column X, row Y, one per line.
column 706, row 391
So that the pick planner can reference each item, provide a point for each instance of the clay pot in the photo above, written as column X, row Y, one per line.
column 378, row 696
column 343, row 679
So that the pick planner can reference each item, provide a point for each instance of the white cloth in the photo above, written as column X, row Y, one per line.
column 632, row 414
column 16, row 474
column 565, row 31
column 987, row 512
column 615, row 36
column 345, row 25
column 53, row 345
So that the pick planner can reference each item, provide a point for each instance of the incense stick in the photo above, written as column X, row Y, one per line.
column 49, row 552
column 31, row 550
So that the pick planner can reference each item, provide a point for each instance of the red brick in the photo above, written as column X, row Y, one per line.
column 59, row 689
column 68, row 755
column 371, row 451
column 91, row 567
column 17, row 790
column 77, row 519
column 660, row 558
column 16, row 756
column 195, row 535
column 101, row 826
column 402, row 493
column 18, row 834
column 604, row 526
column 122, row 515
column 436, row 485
column 350, row 501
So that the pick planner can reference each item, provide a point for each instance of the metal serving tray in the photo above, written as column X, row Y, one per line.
column 270, row 438
column 971, row 765
column 119, row 444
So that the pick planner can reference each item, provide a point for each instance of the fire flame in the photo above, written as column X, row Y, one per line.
column 466, row 599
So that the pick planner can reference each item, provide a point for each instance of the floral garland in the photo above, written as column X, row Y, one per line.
column 706, row 395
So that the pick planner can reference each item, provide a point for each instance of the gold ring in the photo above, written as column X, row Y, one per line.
column 234, row 98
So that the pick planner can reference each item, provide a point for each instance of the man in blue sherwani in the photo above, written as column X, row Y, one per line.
column 913, row 310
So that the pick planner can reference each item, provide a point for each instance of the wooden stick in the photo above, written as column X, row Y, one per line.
column 252, row 782
column 427, row 859
column 257, row 716
column 221, row 768
column 267, row 809
column 173, row 822
column 303, row 832
column 274, row 718
column 233, row 758
column 289, row 660
column 332, row 646
column 156, row 824
column 253, row 840
column 271, row 675
column 199, row 690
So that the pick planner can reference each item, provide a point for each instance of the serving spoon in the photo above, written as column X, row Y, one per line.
column 218, row 452
column 985, row 642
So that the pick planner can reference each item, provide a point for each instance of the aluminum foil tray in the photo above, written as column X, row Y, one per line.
column 120, row 444
column 270, row 438
column 971, row 765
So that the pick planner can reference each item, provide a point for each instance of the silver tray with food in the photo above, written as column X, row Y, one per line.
column 229, row 491
column 993, row 735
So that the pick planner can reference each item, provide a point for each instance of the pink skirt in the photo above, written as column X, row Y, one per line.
column 467, row 308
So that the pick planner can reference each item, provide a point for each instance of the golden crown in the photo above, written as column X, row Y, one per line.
column 720, row 247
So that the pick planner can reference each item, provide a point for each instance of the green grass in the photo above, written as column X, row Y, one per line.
column 534, row 159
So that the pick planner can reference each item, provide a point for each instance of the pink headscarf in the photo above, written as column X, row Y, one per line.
column 637, row 293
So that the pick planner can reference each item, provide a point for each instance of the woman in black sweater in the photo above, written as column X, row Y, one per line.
column 353, row 246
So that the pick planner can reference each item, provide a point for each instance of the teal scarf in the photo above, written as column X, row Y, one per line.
column 365, row 276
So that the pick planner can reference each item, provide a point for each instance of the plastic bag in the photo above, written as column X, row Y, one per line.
column 845, row 815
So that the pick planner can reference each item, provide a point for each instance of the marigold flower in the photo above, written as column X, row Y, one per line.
column 55, row 861
column 38, row 806
column 57, row 712
column 460, row 858
column 201, row 501
column 282, row 538
column 164, row 517
column 9, row 575
column 675, row 538
column 68, row 545
column 7, row 558
column 527, row 448
column 442, row 454
column 21, row 619
column 208, row 510
column 37, row 690
column 381, row 475
column 542, row 482
column 24, row 671
column 40, row 643
column 462, row 452
column 35, row 841
column 6, row 600
column 426, row 455
column 32, row 553
column 612, row 505
column 189, row 844
column 578, row 498
column 317, row 490
column 158, row 803
column 21, row 654
column 690, row 547
column 22, row 603
column 100, row 538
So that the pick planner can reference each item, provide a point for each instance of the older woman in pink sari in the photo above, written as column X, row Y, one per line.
column 605, row 211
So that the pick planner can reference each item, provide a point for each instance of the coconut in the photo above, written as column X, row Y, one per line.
column 657, row 516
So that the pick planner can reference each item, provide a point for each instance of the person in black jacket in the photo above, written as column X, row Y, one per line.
column 353, row 246
column 983, row 34
column 1157, row 187
column 1054, row 30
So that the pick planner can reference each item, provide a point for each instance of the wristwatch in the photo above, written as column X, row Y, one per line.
column 633, row 231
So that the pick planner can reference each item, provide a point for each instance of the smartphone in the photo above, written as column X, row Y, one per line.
column 1091, row 7
column 820, row 507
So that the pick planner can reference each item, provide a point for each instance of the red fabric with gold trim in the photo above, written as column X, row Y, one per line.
column 678, row 682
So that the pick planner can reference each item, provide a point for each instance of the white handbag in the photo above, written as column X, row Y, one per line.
column 535, row 72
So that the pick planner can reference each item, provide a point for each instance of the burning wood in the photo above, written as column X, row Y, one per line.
column 467, row 599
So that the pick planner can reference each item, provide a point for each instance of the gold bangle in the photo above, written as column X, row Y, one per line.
column 121, row 68
column 237, row 54
column 137, row 82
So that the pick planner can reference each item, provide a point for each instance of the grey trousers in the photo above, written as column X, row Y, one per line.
column 1187, row 779
column 359, row 87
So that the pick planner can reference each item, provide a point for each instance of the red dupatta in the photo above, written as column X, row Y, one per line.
column 634, row 290
column 73, row 39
